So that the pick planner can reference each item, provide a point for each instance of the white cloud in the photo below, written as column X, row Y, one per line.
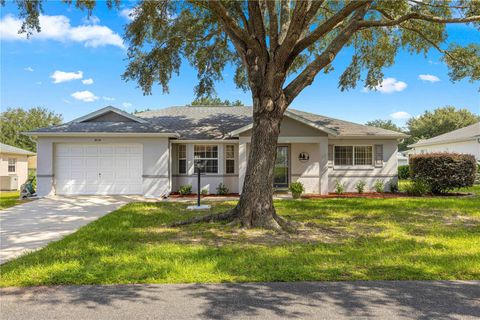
column 127, row 13
column 126, row 105
column 428, row 77
column 88, row 81
column 108, row 98
column 400, row 115
column 91, row 20
column 85, row 96
column 29, row 69
column 389, row 85
column 59, row 28
column 62, row 76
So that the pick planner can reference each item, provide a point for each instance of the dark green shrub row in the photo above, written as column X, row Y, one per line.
column 403, row 172
column 443, row 172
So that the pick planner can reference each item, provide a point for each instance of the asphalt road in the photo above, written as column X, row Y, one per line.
column 301, row 300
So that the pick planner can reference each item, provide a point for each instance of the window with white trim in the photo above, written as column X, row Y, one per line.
column 209, row 155
column 182, row 158
column 230, row 159
column 353, row 155
column 12, row 165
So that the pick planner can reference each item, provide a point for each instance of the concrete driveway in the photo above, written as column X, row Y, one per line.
column 32, row 225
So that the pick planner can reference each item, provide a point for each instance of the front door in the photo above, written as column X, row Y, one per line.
column 281, row 174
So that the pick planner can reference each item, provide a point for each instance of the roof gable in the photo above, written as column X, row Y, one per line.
column 466, row 133
column 5, row 148
column 109, row 114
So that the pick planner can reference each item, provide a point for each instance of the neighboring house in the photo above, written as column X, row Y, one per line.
column 13, row 167
column 402, row 159
column 152, row 153
column 465, row 140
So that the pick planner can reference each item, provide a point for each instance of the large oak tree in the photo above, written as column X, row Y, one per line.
column 278, row 48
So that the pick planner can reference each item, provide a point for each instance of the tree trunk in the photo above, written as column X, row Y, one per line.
column 255, row 208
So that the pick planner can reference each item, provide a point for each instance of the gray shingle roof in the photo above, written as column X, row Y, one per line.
column 5, row 148
column 466, row 133
column 212, row 122
column 113, row 127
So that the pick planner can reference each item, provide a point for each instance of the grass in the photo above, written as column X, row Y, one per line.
column 342, row 239
column 9, row 199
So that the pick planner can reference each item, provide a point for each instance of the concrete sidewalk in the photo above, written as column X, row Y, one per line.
column 300, row 300
column 32, row 225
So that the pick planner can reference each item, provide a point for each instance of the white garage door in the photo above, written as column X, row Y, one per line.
column 105, row 169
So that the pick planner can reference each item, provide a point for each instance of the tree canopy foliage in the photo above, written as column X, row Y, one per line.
column 14, row 121
column 384, row 124
column 429, row 124
column 439, row 121
column 215, row 101
column 302, row 37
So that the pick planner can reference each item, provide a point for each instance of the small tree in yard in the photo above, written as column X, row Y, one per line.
column 443, row 172
column 279, row 47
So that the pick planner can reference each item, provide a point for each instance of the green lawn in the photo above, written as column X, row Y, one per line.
column 342, row 239
column 9, row 199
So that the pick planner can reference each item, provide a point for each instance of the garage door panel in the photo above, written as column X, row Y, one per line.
column 98, row 169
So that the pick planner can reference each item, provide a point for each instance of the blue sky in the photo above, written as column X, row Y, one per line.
column 74, row 67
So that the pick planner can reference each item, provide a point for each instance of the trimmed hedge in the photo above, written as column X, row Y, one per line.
column 403, row 172
column 443, row 171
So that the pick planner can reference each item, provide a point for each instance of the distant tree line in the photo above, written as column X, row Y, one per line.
column 14, row 121
column 429, row 124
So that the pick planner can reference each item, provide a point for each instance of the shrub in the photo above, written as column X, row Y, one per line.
column 360, row 186
column 186, row 189
column 339, row 187
column 393, row 185
column 417, row 187
column 296, row 188
column 443, row 172
column 403, row 172
column 204, row 192
column 222, row 189
column 379, row 186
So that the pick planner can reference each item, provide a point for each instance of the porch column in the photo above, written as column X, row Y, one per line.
column 323, row 165
column 242, row 162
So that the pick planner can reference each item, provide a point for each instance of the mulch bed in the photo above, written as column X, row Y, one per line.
column 365, row 195
column 385, row 195
column 194, row 195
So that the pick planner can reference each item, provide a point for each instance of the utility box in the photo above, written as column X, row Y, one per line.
column 8, row 183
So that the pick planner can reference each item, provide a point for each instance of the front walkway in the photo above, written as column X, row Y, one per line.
column 33, row 225
column 294, row 300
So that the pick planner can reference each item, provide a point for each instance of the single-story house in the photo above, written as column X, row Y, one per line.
column 402, row 159
column 465, row 140
column 13, row 166
column 153, row 153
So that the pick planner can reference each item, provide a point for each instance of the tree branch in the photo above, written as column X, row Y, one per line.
column 323, row 29
column 417, row 16
column 239, row 37
column 307, row 76
column 273, row 30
